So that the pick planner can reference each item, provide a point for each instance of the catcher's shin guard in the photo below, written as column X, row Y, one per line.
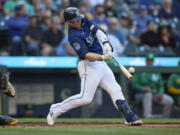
column 130, row 117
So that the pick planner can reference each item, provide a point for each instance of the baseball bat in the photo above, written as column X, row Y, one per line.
column 124, row 70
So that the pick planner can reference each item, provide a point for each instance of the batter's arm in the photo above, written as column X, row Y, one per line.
column 94, row 56
column 103, row 38
column 97, row 31
column 100, row 34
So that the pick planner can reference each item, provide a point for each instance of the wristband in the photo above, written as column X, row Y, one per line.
column 105, row 42
column 102, row 57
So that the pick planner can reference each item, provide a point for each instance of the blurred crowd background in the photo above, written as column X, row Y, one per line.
column 134, row 27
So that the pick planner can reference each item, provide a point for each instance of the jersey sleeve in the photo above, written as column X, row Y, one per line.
column 98, row 32
column 89, row 22
column 93, row 27
column 79, row 46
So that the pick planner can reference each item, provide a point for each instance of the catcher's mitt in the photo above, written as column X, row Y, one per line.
column 6, row 87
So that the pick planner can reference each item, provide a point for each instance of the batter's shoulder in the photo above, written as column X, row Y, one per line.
column 88, row 22
column 85, row 19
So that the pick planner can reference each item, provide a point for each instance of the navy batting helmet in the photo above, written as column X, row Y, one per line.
column 72, row 14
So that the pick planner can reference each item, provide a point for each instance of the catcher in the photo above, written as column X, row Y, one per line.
column 7, row 88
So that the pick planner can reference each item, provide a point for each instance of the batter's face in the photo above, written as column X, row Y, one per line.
column 76, row 25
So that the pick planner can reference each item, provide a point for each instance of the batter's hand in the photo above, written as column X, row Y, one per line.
column 107, row 56
column 107, row 48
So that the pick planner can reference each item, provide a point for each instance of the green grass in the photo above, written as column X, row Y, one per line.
column 98, row 121
column 91, row 130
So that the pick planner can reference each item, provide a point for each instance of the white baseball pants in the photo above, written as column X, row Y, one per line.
column 92, row 74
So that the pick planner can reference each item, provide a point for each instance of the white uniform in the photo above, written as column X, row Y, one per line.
column 92, row 74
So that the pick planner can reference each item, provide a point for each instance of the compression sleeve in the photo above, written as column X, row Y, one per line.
column 100, row 34
column 97, row 31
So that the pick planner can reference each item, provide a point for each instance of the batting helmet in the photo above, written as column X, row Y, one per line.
column 72, row 14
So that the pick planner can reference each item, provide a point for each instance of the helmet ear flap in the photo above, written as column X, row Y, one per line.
column 65, row 19
column 65, row 16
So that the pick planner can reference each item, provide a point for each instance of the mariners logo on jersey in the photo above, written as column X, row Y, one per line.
column 90, row 39
column 76, row 45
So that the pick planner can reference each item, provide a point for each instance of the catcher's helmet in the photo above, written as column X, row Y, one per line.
column 72, row 14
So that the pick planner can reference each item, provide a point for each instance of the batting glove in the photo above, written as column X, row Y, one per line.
column 107, row 56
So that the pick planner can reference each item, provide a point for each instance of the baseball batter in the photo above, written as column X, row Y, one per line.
column 85, row 37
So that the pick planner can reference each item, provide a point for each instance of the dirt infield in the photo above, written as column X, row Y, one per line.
column 95, row 125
